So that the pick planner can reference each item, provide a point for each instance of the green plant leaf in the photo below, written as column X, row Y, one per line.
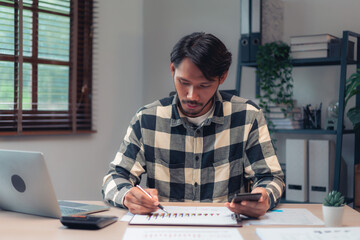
column 274, row 71
column 353, row 89
column 354, row 115
column 334, row 198
column 352, row 83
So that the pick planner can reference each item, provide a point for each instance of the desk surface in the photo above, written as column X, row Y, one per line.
column 22, row 226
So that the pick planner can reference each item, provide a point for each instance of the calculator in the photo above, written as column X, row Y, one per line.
column 87, row 221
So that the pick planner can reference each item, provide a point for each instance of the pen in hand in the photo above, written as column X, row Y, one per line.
column 160, row 206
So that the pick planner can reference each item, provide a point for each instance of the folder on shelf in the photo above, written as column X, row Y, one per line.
column 296, row 170
column 244, row 44
column 255, row 41
column 255, row 35
column 321, row 170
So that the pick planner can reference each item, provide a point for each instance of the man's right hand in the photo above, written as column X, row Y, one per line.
column 139, row 203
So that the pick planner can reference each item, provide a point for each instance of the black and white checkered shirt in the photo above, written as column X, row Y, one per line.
column 206, row 163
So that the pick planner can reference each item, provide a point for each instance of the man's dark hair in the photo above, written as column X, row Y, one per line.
column 206, row 51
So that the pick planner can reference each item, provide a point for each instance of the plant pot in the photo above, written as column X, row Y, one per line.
column 333, row 216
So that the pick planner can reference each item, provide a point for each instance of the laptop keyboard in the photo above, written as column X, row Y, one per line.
column 71, row 204
column 70, row 210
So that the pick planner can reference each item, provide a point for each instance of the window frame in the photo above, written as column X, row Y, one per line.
column 78, row 118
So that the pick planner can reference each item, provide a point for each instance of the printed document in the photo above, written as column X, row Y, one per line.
column 286, row 216
column 179, row 233
column 348, row 233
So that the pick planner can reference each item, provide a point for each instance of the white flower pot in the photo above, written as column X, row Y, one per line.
column 333, row 216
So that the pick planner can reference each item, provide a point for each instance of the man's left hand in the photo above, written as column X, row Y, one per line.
column 251, row 208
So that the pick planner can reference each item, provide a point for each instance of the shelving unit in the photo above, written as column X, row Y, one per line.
column 343, row 63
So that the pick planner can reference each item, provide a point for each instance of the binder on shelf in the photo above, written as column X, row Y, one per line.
column 255, row 41
column 255, row 35
column 245, row 47
column 296, row 170
column 321, row 170
column 250, row 38
column 245, row 31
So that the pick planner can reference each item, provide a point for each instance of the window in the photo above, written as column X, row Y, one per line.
column 45, row 66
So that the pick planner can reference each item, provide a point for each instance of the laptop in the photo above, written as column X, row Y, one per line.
column 25, row 187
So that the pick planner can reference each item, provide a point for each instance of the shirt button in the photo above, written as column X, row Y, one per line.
column 197, row 158
column 196, row 184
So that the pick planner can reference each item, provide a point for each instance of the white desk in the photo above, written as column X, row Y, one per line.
column 22, row 226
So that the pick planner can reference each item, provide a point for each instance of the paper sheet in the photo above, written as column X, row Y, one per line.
column 218, row 216
column 348, row 233
column 127, row 217
column 180, row 233
column 287, row 216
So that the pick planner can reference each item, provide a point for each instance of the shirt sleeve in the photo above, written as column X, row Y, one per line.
column 127, row 167
column 263, row 168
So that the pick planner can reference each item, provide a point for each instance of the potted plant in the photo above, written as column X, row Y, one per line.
column 333, row 209
column 274, row 70
column 352, row 88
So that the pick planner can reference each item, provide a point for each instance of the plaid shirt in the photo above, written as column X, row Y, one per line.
column 206, row 163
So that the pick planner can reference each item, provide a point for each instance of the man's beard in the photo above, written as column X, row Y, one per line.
column 195, row 103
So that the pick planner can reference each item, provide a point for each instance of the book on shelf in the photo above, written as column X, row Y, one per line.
column 272, row 115
column 333, row 51
column 316, row 45
column 281, row 118
column 309, row 47
column 288, row 127
column 286, row 123
column 297, row 114
column 315, row 38
column 278, row 112
column 324, row 53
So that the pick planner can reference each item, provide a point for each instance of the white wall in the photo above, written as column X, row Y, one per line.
column 166, row 21
column 77, row 164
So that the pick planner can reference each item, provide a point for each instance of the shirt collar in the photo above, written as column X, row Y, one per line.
column 218, row 116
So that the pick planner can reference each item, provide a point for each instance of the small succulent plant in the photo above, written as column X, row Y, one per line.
column 334, row 199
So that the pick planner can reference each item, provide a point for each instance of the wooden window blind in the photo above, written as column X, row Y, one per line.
column 45, row 66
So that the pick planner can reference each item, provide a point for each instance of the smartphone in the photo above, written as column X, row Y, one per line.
column 246, row 197
column 87, row 222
